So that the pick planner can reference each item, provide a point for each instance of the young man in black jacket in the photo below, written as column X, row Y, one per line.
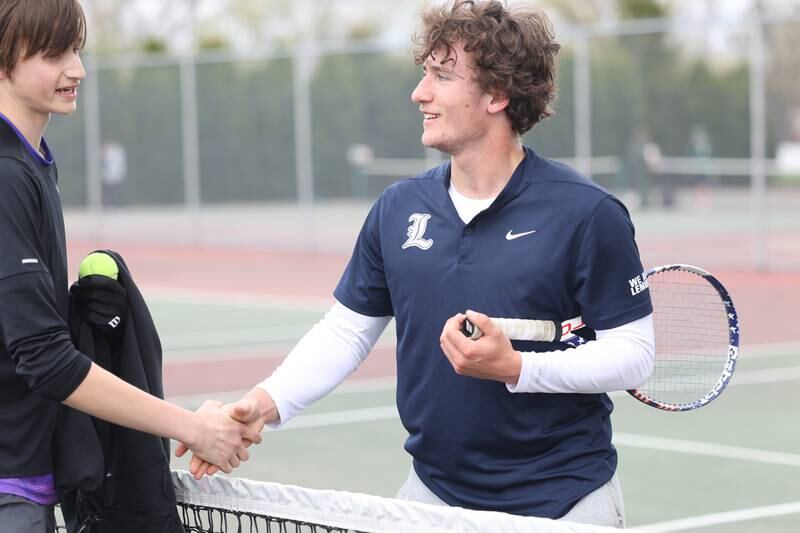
column 40, row 72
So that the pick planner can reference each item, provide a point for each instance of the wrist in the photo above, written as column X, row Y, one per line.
column 192, row 429
column 515, row 368
column 267, row 410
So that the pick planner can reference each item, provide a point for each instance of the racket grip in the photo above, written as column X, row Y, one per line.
column 518, row 329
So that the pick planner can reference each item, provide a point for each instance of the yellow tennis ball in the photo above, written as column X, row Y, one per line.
column 98, row 264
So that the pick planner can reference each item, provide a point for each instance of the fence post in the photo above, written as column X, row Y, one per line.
column 758, row 176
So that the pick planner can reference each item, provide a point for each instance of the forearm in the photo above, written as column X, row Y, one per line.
column 323, row 358
column 620, row 358
column 105, row 396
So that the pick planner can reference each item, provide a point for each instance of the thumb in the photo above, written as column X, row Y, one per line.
column 181, row 449
column 482, row 321
column 243, row 411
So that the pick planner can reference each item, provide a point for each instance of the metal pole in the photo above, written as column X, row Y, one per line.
column 758, row 142
column 189, row 132
column 91, row 120
column 302, row 65
column 583, row 105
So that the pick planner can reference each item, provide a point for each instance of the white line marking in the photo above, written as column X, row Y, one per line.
column 202, row 340
column 769, row 349
column 767, row 375
column 238, row 299
column 337, row 418
column 705, row 448
column 355, row 386
column 621, row 439
column 716, row 519
column 227, row 338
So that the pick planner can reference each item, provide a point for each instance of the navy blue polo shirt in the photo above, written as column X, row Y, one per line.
column 474, row 443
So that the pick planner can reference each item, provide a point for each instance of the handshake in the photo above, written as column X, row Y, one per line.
column 225, row 431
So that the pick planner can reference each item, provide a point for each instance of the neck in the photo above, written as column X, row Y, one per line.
column 30, row 124
column 485, row 172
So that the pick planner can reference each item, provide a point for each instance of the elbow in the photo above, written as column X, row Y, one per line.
column 643, row 365
column 49, row 373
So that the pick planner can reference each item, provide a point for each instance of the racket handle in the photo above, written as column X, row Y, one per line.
column 518, row 329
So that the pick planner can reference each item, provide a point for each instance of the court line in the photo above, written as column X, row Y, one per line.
column 306, row 303
column 227, row 338
column 752, row 377
column 336, row 418
column 721, row 451
column 355, row 386
column 767, row 375
column 238, row 299
column 769, row 349
column 715, row 519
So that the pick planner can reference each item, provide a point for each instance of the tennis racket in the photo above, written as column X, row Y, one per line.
column 696, row 337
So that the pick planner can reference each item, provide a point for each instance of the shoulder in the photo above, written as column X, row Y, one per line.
column 565, row 185
column 551, row 171
column 416, row 189
column 419, row 184
column 16, row 179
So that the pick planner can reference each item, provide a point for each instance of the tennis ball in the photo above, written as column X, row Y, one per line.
column 98, row 264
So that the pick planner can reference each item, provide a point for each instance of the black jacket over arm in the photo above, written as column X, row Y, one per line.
column 110, row 322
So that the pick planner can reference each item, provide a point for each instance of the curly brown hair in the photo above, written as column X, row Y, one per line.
column 514, row 52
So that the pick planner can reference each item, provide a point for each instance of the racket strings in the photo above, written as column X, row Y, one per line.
column 692, row 337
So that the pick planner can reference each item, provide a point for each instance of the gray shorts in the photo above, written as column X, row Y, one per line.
column 18, row 515
column 603, row 507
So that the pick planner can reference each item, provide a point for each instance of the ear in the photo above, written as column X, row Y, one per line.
column 497, row 103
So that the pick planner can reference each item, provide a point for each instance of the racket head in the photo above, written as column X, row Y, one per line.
column 696, row 339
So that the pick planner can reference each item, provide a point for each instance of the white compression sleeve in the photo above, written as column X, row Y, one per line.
column 621, row 358
column 332, row 350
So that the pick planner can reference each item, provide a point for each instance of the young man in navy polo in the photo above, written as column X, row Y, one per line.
column 40, row 72
column 523, row 427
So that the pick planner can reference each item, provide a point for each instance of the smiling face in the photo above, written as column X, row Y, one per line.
column 39, row 85
column 457, row 113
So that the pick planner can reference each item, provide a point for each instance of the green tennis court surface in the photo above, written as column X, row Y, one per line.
column 228, row 314
column 739, row 454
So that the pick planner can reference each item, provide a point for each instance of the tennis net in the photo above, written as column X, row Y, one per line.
column 222, row 504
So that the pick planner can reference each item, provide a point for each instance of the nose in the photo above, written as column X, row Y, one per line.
column 75, row 68
column 421, row 92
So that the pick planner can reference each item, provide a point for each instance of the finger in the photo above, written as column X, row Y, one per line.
column 451, row 353
column 210, row 404
column 453, row 324
column 243, row 454
column 181, row 449
column 248, row 433
column 244, row 411
column 455, row 339
column 482, row 321
column 211, row 470
column 195, row 464
column 225, row 467
column 234, row 460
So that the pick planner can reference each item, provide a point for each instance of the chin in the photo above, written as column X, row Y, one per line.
column 435, row 145
column 66, row 111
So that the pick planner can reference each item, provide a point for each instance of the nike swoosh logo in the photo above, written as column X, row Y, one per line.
column 510, row 236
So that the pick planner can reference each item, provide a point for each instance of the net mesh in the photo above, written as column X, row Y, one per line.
column 691, row 332
column 225, row 504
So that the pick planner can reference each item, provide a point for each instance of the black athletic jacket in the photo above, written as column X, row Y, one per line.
column 110, row 322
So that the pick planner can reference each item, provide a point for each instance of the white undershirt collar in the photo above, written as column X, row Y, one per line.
column 466, row 207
